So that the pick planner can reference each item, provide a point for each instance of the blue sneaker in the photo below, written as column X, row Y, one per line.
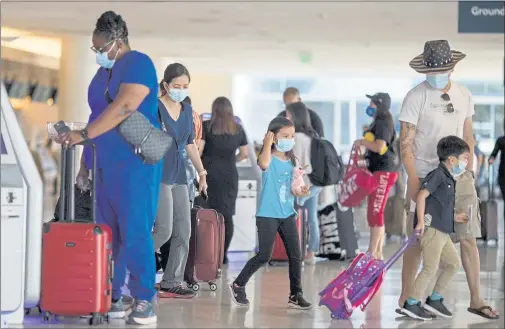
column 117, row 309
column 142, row 313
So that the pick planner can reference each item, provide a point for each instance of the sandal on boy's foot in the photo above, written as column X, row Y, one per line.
column 479, row 312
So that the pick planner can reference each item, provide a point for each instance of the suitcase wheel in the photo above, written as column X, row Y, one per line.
column 47, row 316
column 195, row 287
column 98, row 319
column 27, row 311
column 213, row 286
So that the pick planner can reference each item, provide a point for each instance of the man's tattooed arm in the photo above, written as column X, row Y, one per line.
column 407, row 135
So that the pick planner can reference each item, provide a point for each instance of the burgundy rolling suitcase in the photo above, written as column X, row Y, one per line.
column 279, row 252
column 76, row 257
column 205, row 248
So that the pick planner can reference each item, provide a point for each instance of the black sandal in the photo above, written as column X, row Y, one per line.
column 478, row 311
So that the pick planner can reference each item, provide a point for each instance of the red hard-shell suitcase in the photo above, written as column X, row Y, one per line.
column 76, row 257
column 279, row 252
column 205, row 248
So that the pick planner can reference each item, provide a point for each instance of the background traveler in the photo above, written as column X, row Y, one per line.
column 173, row 219
column 499, row 147
column 292, row 95
column 222, row 136
column 304, row 133
column 380, row 154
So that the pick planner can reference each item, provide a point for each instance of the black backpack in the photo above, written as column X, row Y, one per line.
column 327, row 166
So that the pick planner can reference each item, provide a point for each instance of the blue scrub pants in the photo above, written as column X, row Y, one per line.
column 127, row 201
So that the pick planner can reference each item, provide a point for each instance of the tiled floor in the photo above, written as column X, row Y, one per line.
column 268, row 291
column 268, row 294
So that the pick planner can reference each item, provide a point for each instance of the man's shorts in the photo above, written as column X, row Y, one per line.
column 466, row 195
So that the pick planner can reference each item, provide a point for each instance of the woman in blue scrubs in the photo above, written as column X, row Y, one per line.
column 127, row 189
column 174, row 214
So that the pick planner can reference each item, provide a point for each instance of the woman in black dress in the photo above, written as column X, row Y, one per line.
column 221, row 138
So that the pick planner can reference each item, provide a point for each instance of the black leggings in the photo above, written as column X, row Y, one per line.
column 228, row 234
column 267, row 231
column 502, row 188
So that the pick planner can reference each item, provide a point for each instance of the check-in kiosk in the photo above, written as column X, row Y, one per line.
column 21, row 226
column 249, row 185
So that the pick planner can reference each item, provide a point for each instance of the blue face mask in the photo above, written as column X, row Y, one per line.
column 438, row 81
column 103, row 60
column 459, row 168
column 370, row 111
column 285, row 144
column 178, row 95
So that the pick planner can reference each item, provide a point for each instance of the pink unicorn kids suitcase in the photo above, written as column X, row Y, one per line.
column 357, row 285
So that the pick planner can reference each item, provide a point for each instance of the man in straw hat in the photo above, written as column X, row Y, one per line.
column 436, row 108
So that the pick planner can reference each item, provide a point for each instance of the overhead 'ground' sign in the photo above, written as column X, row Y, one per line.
column 481, row 16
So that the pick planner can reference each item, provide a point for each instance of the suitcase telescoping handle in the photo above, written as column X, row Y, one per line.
column 490, row 181
column 412, row 238
column 68, row 176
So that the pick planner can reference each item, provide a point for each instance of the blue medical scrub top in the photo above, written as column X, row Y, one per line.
column 276, row 199
column 112, row 151
column 174, row 168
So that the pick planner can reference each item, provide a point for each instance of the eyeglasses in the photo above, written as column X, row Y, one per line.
column 447, row 98
column 102, row 49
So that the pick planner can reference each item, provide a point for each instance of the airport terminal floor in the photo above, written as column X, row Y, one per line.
column 268, row 294
column 268, row 291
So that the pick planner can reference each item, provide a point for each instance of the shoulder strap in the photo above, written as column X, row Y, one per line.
column 110, row 100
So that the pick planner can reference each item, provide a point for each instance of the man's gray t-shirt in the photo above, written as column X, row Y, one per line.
column 424, row 107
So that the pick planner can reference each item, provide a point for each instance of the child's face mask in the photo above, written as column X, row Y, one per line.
column 285, row 144
column 459, row 167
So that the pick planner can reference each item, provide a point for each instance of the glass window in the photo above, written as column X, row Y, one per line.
column 482, row 113
column 326, row 112
column 19, row 90
column 483, row 133
column 362, row 119
column 495, row 88
column 476, row 87
column 345, row 123
column 304, row 86
column 498, row 120
column 258, row 115
column 270, row 86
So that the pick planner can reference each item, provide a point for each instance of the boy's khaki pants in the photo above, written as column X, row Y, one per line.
column 436, row 247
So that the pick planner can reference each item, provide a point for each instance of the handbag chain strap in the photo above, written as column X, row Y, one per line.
column 110, row 100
